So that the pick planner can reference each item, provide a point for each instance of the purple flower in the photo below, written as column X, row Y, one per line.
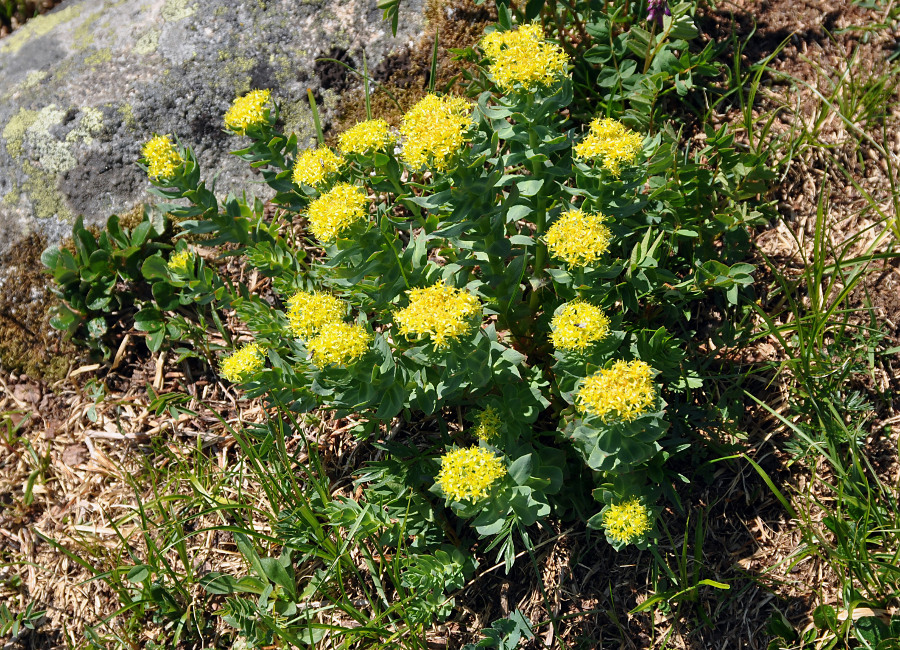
column 656, row 9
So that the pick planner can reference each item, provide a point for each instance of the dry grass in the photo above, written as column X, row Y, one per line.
column 95, row 460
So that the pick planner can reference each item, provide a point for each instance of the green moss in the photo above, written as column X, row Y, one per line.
column 14, row 131
column 147, row 43
column 27, row 342
column 37, row 27
column 177, row 9
column 132, row 219
column 45, row 198
column 100, row 56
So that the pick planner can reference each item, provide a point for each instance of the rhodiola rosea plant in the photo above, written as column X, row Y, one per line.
column 491, row 265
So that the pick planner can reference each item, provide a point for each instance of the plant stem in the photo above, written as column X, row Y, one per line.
column 540, row 252
column 650, row 52
column 315, row 115
column 390, row 243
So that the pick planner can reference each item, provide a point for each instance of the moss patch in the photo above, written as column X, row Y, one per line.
column 133, row 218
column 27, row 342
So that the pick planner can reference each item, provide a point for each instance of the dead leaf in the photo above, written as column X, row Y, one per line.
column 75, row 455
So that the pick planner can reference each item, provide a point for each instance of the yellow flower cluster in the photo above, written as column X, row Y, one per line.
column 336, row 210
column 314, row 167
column 466, row 474
column 578, row 238
column 339, row 344
column 627, row 521
column 610, row 141
column 578, row 325
column 524, row 57
column 180, row 262
column 366, row 138
column 622, row 392
column 247, row 111
column 441, row 312
column 243, row 363
column 308, row 312
column 487, row 424
column 434, row 131
column 161, row 157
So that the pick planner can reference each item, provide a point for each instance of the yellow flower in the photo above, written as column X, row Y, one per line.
column 578, row 325
column 336, row 210
column 578, row 238
column 314, row 167
column 243, row 363
column 610, row 141
column 434, row 131
column 627, row 521
column 466, row 474
column 338, row 343
column 622, row 392
column 366, row 138
column 180, row 262
column 487, row 423
column 441, row 312
column 161, row 157
column 308, row 312
column 523, row 56
column 248, row 111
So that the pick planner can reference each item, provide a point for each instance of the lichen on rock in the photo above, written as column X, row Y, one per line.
column 85, row 85
column 14, row 131
column 178, row 9
column 147, row 43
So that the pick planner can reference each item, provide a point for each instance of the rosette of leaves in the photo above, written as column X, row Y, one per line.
column 535, row 472
column 185, row 300
column 99, row 283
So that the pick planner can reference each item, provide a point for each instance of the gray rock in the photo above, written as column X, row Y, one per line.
column 83, row 87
